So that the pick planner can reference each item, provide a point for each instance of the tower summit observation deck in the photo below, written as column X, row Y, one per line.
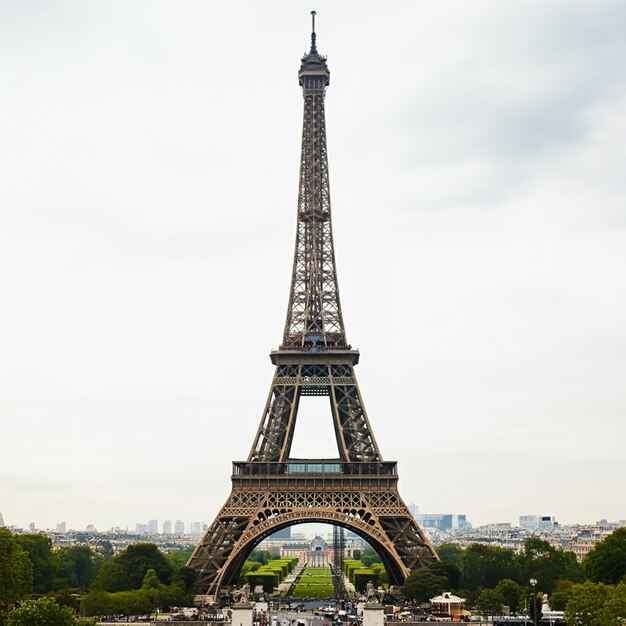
column 272, row 490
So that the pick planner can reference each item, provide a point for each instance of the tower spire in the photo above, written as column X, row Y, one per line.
column 313, row 34
column 314, row 318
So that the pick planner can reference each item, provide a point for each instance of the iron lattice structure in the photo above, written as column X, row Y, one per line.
column 339, row 547
column 270, row 490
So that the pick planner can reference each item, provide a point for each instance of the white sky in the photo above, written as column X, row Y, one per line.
column 149, row 168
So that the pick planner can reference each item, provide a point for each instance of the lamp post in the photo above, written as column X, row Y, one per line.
column 533, row 584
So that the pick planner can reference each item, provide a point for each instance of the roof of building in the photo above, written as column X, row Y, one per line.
column 447, row 598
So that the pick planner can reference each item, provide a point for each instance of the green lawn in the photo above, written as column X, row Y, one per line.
column 313, row 591
column 315, row 580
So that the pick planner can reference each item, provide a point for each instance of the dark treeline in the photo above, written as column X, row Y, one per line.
column 491, row 577
column 39, row 585
column 138, row 580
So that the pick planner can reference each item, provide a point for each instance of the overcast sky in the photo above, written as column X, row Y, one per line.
column 149, row 172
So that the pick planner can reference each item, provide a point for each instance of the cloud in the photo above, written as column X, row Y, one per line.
column 150, row 159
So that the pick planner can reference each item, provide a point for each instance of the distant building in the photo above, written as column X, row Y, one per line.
column 448, row 604
column 1, row 520
column 414, row 509
column 285, row 533
column 61, row 527
column 179, row 527
column 536, row 522
column 167, row 527
column 530, row 522
column 498, row 526
column 581, row 546
column 587, row 537
column 141, row 529
column 91, row 528
column 299, row 550
column 318, row 553
column 442, row 521
column 153, row 527
column 546, row 521
column 31, row 527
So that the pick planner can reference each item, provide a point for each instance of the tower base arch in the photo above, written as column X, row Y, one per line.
column 259, row 506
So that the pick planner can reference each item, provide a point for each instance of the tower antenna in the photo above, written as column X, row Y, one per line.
column 313, row 35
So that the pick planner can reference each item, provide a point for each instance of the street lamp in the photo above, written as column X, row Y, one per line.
column 533, row 584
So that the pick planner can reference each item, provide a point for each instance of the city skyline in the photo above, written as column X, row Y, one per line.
column 476, row 165
column 441, row 529
column 535, row 521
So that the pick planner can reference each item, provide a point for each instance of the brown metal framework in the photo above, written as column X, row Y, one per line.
column 357, row 491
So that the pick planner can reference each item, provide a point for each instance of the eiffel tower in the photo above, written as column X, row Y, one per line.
column 271, row 490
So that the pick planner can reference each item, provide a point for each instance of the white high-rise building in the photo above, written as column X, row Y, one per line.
column 179, row 527
column 1, row 520
column 153, row 527
column 61, row 526
column 167, row 527
column 529, row 522
column 547, row 521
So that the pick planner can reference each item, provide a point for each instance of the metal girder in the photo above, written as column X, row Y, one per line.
column 355, row 440
column 314, row 312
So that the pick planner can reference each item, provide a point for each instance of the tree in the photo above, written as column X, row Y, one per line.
column 614, row 611
column 174, row 595
column 586, row 603
column 248, row 566
column 179, row 558
column 41, row 612
column 111, row 577
column 383, row 579
column 511, row 593
column 39, row 549
column 450, row 571
column 451, row 553
column 356, row 555
column 606, row 563
column 370, row 553
column 262, row 556
column 561, row 595
column 422, row 585
column 16, row 571
column 484, row 566
column 489, row 603
column 364, row 576
column 68, row 597
column 150, row 580
column 139, row 558
column 97, row 603
column 127, row 570
column 75, row 567
column 547, row 564
column 135, row 602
